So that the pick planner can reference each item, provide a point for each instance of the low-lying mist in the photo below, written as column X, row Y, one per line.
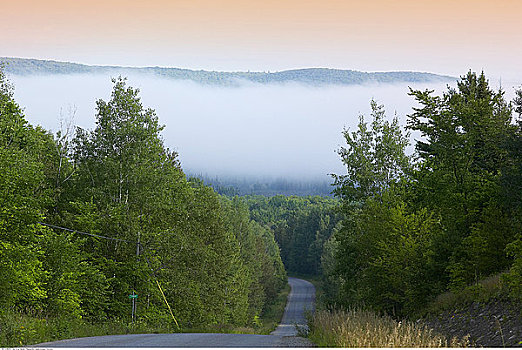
column 261, row 131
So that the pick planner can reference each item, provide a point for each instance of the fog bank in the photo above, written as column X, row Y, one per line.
column 289, row 131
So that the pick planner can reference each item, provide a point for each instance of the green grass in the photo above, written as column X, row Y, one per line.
column 17, row 329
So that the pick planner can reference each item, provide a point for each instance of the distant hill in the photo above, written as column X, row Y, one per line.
column 309, row 76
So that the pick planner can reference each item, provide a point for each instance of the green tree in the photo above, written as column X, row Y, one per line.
column 259, row 255
column 23, row 197
column 123, row 169
column 376, row 165
column 464, row 153
column 375, row 157
column 130, row 188
column 512, row 191
column 396, row 268
column 453, row 217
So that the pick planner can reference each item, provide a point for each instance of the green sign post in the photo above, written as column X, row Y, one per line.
column 134, row 298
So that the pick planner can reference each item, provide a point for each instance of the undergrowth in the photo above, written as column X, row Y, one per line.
column 263, row 324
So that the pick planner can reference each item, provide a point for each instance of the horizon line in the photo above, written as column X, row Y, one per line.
column 224, row 71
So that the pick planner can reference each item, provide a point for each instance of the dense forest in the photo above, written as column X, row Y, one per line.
column 94, row 221
column 439, row 220
column 301, row 226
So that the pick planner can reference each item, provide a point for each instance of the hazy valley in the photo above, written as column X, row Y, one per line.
column 237, row 127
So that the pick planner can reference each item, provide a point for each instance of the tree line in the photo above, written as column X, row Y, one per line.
column 441, row 219
column 235, row 186
column 92, row 218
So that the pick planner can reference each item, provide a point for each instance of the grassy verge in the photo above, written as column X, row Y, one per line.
column 19, row 330
column 273, row 314
column 358, row 328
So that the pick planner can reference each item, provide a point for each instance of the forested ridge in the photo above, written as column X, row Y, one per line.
column 301, row 226
column 95, row 221
column 308, row 76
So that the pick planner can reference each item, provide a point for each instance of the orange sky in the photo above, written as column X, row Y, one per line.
column 438, row 36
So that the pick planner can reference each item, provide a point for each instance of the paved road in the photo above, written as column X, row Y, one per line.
column 301, row 298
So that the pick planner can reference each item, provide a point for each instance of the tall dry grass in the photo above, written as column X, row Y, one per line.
column 359, row 329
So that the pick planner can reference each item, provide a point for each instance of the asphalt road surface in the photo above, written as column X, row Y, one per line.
column 300, row 299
